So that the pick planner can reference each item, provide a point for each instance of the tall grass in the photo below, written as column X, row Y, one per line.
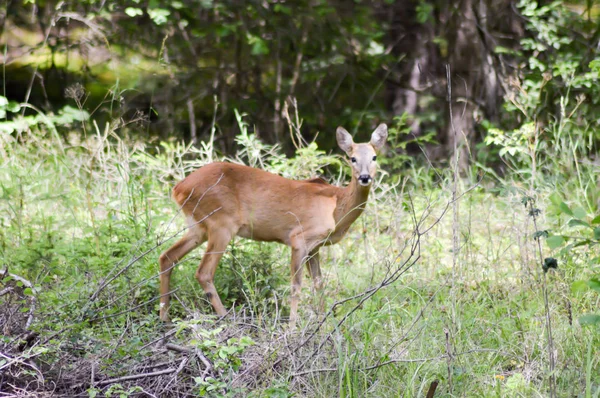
column 84, row 220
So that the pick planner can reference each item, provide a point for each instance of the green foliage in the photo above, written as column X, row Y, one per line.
column 253, row 274
column 117, row 390
column 582, row 234
column 19, row 124
column 545, row 132
column 399, row 137
column 77, row 212
column 224, row 356
column 248, row 54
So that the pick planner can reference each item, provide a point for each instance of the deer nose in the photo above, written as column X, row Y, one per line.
column 364, row 179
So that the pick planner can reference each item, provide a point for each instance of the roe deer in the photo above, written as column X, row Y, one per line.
column 222, row 200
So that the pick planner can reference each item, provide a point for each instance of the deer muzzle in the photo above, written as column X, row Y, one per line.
column 364, row 180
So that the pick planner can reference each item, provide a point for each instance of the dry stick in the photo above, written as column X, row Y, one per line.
column 35, row 69
column 388, row 279
column 414, row 360
column 177, row 371
column 208, row 367
column 410, row 328
column 455, row 232
column 192, row 119
column 533, row 212
column 298, row 62
column 356, row 296
column 412, row 259
column 137, row 376
column 27, row 284
column 101, row 318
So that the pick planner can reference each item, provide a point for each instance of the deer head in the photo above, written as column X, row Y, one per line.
column 363, row 157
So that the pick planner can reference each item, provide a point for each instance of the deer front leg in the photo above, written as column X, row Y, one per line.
column 314, row 269
column 298, row 257
column 303, row 243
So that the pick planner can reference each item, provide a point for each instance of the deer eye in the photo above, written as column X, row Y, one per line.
column 374, row 158
column 353, row 160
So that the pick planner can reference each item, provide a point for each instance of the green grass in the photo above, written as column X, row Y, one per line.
column 76, row 213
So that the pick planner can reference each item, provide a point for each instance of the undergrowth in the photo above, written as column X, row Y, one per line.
column 85, row 216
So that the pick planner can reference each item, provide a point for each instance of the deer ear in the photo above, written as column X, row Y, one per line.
column 379, row 136
column 344, row 139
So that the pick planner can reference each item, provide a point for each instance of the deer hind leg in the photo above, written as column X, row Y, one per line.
column 193, row 238
column 217, row 244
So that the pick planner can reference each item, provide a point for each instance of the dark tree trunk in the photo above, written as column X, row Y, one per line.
column 466, row 33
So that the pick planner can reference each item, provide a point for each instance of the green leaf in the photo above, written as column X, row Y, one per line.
column 133, row 12
column 594, row 283
column 28, row 291
column 259, row 46
column 159, row 15
column 92, row 393
column 555, row 241
column 595, row 65
column 13, row 106
column 579, row 286
column 505, row 50
column 597, row 233
column 589, row 320
column 424, row 11
column 596, row 220
column 575, row 222
column 282, row 9
column 565, row 209
column 555, row 199
column 579, row 213
column 3, row 101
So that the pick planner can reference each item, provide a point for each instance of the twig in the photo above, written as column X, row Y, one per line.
column 192, row 119
column 533, row 212
column 207, row 364
column 449, row 356
column 412, row 360
column 455, row 227
column 101, row 318
column 178, row 348
column 26, row 283
column 392, row 276
column 135, row 377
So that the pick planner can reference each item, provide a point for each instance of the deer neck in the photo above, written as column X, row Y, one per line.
column 351, row 203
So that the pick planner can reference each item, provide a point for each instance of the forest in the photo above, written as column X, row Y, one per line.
column 473, row 271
